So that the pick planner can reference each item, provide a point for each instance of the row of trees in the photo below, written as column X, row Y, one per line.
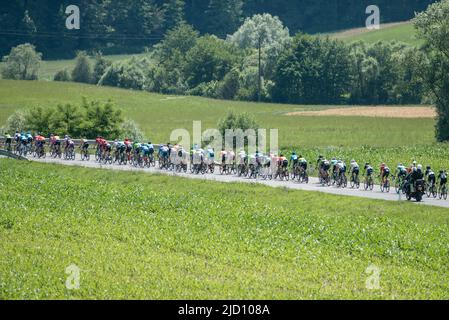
column 130, row 25
column 303, row 69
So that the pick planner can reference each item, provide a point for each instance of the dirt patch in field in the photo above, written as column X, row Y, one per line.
column 376, row 112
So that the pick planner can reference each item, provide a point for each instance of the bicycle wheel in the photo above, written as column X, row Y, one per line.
column 434, row 192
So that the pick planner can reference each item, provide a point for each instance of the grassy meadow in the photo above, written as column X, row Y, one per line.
column 138, row 236
column 403, row 32
column 366, row 139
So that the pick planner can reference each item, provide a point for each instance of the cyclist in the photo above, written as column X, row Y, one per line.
column 294, row 159
column 107, row 150
column 30, row 138
column 145, row 148
column 341, row 168
column 209, row 156
column 354, row 170
column 410, row 169
column 384, row 173
column 282, row 164
column 17, row 136
column 413, row 176
column 223, row 156
column 401, row 171
column 231, row 158
column 324, row 167
column 334, row 162
column 368, row 170
column 8, row 142
column 84, row 146
column 319, row 161
column 163, row 154
column 129, row 148
column 68, row 144
column 430, row 176
column 442, row 178
column 24, row 141
column 302, row 163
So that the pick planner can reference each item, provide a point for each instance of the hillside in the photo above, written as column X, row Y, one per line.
column 401, row 31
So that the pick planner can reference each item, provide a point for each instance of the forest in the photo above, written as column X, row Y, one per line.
column 128, row 26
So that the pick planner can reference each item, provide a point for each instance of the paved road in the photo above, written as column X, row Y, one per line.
column 312, row 186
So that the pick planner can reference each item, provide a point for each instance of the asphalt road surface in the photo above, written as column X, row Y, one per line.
column 312, row 186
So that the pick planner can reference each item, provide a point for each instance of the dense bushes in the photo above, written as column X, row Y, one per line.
column 90, row 119
column 22, row 63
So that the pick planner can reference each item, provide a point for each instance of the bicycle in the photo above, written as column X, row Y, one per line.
column 431, row 189
column 325, row 178
column 442, row 192
column 354, row 181
column 303, row 177
column 69, row 153
column 385, row 185
column 85, row 156
column 342, row 181
column 369, row 183
column 399, row 184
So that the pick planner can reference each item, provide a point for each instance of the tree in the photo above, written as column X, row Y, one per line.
column 100, row 67
column 128, row 74
column 223, row 17
column 15, row 122
column 39, row 119
column 313, row 70
column 62, row 75
column 174, row 13
column 230, row 85
column 101, row 119
column 210, row 59
column 131, row 130
column 22, row 63
column 433, row 27
column 67, row 119
column 265, row 31
column 83, row 68
column 235, row 121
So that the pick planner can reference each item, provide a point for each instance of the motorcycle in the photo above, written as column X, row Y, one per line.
column 419, row 190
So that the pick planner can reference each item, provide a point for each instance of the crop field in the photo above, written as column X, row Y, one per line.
column 402, row 32
column 390, row 140
column 147, row 236
column 362, row 138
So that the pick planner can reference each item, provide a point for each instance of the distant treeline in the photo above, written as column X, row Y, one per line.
column 122, row 26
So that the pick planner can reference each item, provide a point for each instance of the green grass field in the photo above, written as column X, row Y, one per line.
column 403, row 32
column 365, row 139
column 139, row 236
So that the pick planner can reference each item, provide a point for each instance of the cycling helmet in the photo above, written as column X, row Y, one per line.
column 428, row 168
column 419, row 167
